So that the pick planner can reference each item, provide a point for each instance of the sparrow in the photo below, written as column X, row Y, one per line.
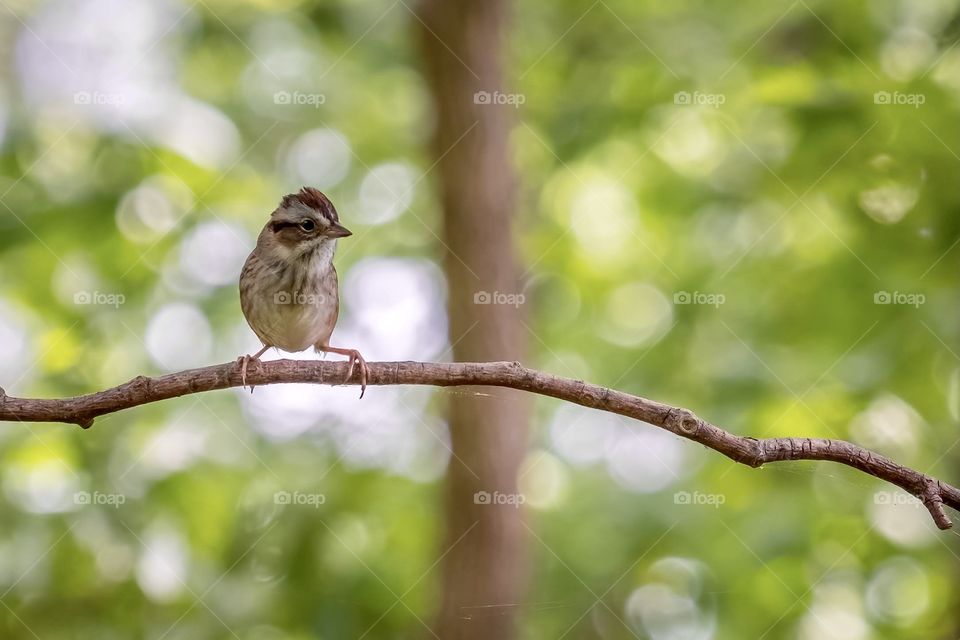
column 288, row 286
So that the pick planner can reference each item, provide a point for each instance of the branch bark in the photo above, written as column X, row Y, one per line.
column 82, row 410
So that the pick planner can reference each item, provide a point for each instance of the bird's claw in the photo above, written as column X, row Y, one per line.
column 244, row 362
column 356, row 358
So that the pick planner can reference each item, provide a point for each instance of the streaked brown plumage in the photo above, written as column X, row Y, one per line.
column 288, row 286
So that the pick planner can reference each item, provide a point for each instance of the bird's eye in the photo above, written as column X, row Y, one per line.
column 308, row 225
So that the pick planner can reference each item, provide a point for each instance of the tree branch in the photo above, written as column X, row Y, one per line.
column 83, row 410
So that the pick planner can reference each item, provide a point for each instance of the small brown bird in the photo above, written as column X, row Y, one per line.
column 288, row 286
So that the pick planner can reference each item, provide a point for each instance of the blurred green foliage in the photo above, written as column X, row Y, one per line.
column 746, row 209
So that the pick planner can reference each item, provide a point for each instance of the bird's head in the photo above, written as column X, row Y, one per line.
column 302, row 223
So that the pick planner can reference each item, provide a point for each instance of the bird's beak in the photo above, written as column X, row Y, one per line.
column 336, row 230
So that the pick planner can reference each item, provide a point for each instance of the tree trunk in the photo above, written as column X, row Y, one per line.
column 485, row 562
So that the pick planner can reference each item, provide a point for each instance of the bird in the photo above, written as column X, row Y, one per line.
column 289, row 292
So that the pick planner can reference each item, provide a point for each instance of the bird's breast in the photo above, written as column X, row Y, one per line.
column 292, row 306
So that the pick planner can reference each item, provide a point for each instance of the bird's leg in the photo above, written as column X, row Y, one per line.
column 355, row 358
column 244, row 361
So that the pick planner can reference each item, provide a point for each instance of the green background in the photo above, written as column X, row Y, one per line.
column 804, row 202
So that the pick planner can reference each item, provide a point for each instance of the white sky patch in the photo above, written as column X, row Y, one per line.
column 836, row 613
column 898, row 591
column 320, row 158
column 162, row 567
column 112, row 64
column 16, row 355
column 144, row 214
column 46, row 487
column 179, row 337
column 396, row 306
column 213, row 253
column 385, row 193
column 669, row 605
column 646, row 460
column 901, row 519
column 889, row 425
column 581, row 436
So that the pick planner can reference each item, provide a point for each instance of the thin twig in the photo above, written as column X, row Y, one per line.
column 83, row 410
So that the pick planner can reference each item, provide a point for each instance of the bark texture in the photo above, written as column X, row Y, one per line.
column 484, row 561
column 743, row 449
